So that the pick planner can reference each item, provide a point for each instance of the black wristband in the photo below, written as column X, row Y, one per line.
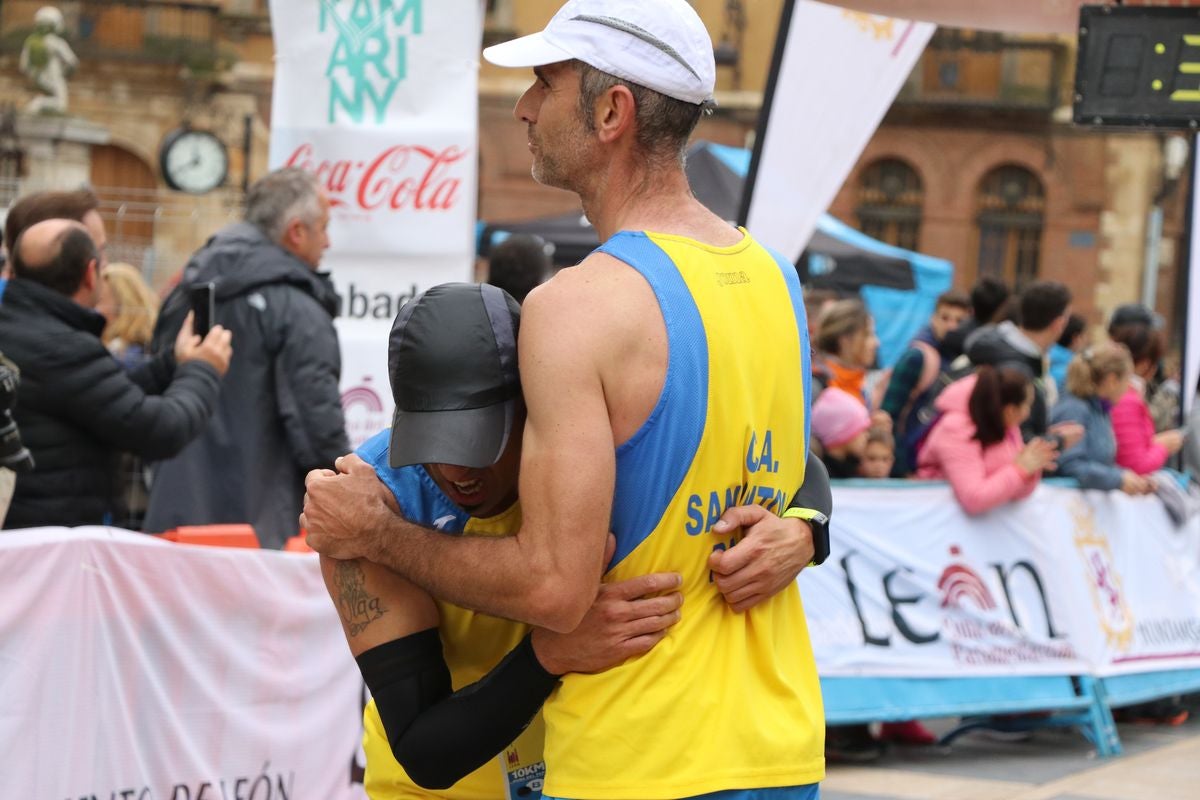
column 816, row 495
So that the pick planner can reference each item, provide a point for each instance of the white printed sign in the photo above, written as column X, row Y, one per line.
column 1066, row 582
column 379, row 99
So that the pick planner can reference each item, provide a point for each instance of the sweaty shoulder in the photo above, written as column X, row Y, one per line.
column 597, row 328
column 596, row 299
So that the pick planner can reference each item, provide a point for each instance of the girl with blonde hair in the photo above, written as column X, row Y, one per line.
column 1097, row 378
column 131, row 308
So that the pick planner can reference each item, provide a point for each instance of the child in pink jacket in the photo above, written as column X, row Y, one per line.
column 976, row 443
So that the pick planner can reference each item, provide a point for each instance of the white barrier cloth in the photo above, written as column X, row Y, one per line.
column 140, row 669
column 1066, row 582
column 379, row 98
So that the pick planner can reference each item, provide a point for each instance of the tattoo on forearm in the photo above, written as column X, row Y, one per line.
column 358, row 607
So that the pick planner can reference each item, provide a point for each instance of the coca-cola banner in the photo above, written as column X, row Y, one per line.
column 379, row 99
column 1066, row 582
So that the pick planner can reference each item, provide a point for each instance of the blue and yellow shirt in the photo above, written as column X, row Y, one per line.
column 727, row 700
column 472, row 643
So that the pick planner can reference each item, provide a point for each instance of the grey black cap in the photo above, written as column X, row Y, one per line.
column 1134, row 314
column 452, row 360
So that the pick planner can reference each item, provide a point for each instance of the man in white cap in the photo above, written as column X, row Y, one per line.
column 666, row 379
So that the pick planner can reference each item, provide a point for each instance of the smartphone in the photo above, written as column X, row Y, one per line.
column 203, row 299
column 1057, row 440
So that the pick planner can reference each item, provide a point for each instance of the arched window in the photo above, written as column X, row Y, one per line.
column 890, row 200
column 1011, row 213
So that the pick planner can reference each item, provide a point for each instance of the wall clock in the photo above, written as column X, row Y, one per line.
column 193, row 161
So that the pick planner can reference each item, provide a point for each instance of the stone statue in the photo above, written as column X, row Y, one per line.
column 46, row 59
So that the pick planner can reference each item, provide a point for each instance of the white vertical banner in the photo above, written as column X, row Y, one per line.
column 838, row 74
column 379, row 98
column 1191, row 369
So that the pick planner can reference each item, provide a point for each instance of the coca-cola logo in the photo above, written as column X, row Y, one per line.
column 401, row 178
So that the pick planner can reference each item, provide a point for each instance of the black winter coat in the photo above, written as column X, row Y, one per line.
column 1002, row 345
column 280, row 412
column 78, row 409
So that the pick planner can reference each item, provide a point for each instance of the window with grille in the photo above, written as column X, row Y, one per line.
column 1011, row 214
column 890, row 201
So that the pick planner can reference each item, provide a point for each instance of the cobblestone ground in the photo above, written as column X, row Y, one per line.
column 1160, row 763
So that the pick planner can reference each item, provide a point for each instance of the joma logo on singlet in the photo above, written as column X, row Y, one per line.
column 732, row 278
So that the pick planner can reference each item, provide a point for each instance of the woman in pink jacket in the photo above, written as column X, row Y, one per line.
column 1139, row 447
column 976, row 443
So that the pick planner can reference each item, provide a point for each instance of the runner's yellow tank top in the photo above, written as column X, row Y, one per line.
column 472, row 643
column 726, row 700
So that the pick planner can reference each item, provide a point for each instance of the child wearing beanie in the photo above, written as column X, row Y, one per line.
column 840, row 423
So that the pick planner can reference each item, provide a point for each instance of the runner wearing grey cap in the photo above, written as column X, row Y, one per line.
column 451, row 461
column 665, row 379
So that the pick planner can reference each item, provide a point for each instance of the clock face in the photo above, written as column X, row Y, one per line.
column 194, row 161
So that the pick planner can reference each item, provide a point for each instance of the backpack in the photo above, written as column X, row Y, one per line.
column 923, row 412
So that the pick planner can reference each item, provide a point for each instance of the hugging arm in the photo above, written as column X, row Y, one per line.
column 773, row 551
column 437, row 735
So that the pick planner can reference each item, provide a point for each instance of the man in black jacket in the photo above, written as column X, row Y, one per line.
column 77, row 407
column 280, row 413
column 1045, row 307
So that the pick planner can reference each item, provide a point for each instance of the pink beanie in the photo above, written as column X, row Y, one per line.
column 837, row 417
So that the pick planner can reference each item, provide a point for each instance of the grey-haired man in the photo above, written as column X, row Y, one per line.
column 280, row 412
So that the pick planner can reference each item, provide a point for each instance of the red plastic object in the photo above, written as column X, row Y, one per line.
column 239, row 535
column 296, row 544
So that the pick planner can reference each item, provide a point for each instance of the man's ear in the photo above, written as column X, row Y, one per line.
column 615, row 112
column 91, row 275
column 294, row 232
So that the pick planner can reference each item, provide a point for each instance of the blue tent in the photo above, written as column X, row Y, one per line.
column 898, row 286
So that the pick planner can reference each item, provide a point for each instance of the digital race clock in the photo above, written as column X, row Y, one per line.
column 1138, row 66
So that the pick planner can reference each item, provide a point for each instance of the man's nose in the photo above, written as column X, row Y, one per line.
column 523, row 110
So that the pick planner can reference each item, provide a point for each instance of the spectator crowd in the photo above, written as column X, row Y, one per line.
column 132, row 419
column 994, row 394
column 114, row 411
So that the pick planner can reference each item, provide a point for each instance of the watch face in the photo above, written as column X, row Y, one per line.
column 195, row 161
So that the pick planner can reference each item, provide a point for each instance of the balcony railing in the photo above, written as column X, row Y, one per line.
column 963, row 69
column 150, row 31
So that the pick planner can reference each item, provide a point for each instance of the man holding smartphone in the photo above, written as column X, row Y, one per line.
column 279, row 414
column 77, row 408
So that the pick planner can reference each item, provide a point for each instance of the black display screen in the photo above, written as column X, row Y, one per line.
column 1138, row 67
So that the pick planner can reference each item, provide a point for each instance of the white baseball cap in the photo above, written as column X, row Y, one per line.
column 659, row 44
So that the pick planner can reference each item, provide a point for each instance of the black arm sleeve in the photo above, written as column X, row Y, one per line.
column 439, row 737
column 817, row 495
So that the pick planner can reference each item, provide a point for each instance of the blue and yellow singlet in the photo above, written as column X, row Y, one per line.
column 727, row 700
column 472, row 643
